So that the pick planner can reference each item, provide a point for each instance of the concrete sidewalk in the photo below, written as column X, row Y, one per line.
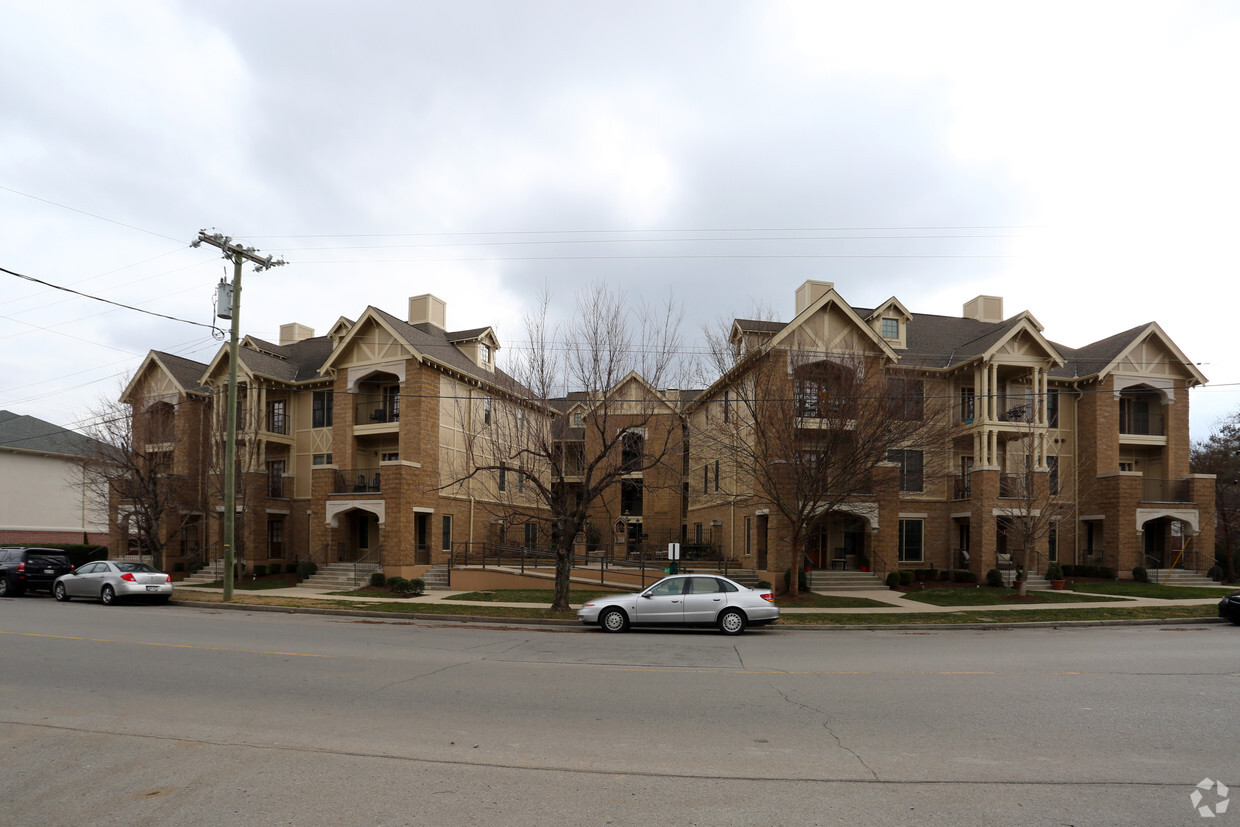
column 895, row 602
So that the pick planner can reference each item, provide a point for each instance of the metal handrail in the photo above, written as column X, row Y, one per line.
column 376, row 553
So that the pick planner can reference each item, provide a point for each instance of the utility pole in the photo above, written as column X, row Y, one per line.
column 238, row 255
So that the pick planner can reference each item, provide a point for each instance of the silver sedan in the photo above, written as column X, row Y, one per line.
column 684, row 599
column 109, row 580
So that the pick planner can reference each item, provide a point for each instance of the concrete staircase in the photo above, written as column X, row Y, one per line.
column 829, row 580
column 213, row 573
column 436, row 578
column 1180, row 577
column 746, row 577
column 339, row 577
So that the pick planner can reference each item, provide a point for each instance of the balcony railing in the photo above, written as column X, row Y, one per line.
column 1165, row 491
column 357, row 481
column 276, row 486
column 376, row 413
column 1015, row 486
column 1135, row 423
column 962, row 488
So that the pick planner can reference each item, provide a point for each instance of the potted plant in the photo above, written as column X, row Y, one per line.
column 1020, row 576
column 1055, row 574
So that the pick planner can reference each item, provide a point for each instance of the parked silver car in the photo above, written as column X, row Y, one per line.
column 109, row 580
column 688, row 599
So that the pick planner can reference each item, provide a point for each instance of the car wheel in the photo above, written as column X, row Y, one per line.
column 614, row 620
column 731, row 622
column 59, row 591
column 107, row 596
column 5, row 591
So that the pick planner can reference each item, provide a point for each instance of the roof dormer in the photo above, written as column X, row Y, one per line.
column 890, row 321
column 479, row 345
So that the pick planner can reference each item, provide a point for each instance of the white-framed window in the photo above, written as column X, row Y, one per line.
column 485, row 353
column 486, row 411
column 447, row 532
column 891, row 329
column 911, row 541
column 389, row 456
column 579, row 420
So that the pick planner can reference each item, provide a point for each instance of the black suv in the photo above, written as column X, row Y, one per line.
column 31, row 568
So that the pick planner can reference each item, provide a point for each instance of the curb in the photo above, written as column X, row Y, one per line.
column 806, row 627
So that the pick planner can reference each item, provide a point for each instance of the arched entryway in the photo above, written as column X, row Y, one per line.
column 356, row 533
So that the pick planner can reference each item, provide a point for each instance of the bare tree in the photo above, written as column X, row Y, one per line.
column 810, row 435
column 1030, row 505
column 1219, row 454
column 527, row 462
column 132, row 469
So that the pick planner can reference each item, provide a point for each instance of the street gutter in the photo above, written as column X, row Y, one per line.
column 569, row 625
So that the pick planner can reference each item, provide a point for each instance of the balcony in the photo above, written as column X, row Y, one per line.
column 357, row 481
column 1015, row 486
column 1139, row 423
column 381, row 412
column 1165, row 491
column 962, row 488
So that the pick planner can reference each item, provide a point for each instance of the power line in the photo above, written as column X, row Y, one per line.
column 105, row 301
column 89, row 214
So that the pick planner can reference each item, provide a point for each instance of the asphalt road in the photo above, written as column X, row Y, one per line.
column 167, row 715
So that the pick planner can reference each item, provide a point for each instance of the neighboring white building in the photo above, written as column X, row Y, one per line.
column 42, row 498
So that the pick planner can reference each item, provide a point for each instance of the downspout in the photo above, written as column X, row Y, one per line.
column 1076, row 492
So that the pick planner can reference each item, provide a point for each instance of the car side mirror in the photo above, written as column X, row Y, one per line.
column 647, row 595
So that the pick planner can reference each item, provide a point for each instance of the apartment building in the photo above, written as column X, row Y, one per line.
column 365, row 445
column 1094, row 440
column 350, row 445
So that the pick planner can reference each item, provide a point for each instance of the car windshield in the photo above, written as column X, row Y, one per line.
column 139, row 567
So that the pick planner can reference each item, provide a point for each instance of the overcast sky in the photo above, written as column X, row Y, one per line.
column 1078, row 159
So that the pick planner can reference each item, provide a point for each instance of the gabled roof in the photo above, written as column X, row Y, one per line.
column 186, row 374
column 472, row 335
column 831, row 297
column 27, row 433
column 1100, row 358
column 891, row 302
column 298, row 362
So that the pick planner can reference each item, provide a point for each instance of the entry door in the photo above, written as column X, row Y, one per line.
column 422, row 539
column 662, row 602
column 1153, row 545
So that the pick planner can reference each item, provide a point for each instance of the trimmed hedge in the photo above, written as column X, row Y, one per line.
column 893, row 579
column 376, row 579
column 1140, row 575
column 306, row 568
column 994, row 578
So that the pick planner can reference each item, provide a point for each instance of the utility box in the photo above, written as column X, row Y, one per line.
column 223, row 299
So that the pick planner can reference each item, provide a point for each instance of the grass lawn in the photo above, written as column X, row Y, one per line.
column 262, row 584
column 539, row 596
column 990, row 596
column 1130, row 589
column 1002, row 618
column 809, row 600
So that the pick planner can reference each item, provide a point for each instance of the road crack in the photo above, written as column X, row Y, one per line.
column 826, row 724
